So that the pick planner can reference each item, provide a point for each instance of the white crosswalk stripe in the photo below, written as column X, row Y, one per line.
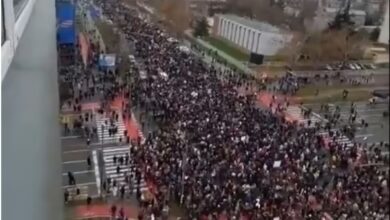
column 342, row 139
column 128, row 169
column 296, row 113
column 102, row 123
column 84, row 191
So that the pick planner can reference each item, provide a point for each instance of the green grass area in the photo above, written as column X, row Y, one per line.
column 333, row 94
column 353, row 96
column 309, row 90
column 228, row 48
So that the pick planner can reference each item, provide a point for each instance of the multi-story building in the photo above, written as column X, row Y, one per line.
column 250, row 35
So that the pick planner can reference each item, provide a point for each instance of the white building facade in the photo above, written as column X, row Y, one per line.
column 384, row 34
column 250, row 35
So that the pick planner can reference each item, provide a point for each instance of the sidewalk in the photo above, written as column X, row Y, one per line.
column 239, row 65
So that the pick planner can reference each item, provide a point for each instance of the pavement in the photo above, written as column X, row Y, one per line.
column 244, row 68
column 377, row 131
column 74, row 159
column 378, row 126
column 238, row 64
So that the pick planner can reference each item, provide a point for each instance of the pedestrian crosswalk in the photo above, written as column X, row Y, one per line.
column 341, row 139
column 295, row 112
column 125, row 169
column 72, row 190
column 103, row 126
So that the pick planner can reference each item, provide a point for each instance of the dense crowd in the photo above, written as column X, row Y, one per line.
column 217, row 153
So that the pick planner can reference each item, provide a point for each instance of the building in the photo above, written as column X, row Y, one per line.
column 358, row 17
column 253, row 36
column 205, row 8
column 384, row 34
column 30, row 145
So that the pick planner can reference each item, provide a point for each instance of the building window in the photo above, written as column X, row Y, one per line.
column 239, row 36
column 249, row 43
column 220, row 26
column 18, row 6
column 254, row 43
column 231, row 32
column 258, row 43
column 224, row 29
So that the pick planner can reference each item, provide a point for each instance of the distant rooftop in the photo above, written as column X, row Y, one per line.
column 261, row 26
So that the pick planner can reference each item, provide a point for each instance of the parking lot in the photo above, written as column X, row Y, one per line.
column 378, row 125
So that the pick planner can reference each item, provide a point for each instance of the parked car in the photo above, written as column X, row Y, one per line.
column 361, row 66
column 357, row 67
column 328, row 67
column 367, row 66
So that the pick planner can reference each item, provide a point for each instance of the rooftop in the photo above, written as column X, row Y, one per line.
column 261, row 26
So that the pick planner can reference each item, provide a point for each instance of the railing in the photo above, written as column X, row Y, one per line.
column 16, row 15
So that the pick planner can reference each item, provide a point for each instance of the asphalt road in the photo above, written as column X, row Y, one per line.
column 378, row 126
column 382, row 71
column 74, row 159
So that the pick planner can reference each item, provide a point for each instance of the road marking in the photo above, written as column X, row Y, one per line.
column 80, row 184
column 74, row 151
column 73, row 161
column 81, row 145
column 363, row 135
column 97, row 174
column 79, row 172
column 115, row 149
column 70, row 137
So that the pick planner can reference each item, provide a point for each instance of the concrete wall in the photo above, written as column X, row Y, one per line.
column 384, row 34
column 31, row 158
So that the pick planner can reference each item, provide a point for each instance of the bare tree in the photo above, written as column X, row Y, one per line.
column 292, row 50
column 176, row 13
column 309, row 8
column 335, row 45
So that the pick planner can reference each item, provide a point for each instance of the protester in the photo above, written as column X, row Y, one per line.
column 217, row 153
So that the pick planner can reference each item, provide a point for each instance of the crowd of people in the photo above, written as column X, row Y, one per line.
column 218, row 154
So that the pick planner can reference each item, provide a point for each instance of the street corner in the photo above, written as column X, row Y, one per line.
column 104, row 210
column 133, row 128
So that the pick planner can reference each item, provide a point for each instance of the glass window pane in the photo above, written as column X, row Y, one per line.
column 18, row 6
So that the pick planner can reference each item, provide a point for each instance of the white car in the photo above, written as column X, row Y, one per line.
column 378, row 100
column 357, row 66
column 328, row 67
column 351, row 67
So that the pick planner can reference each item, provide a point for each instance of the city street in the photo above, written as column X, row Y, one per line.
column 378, row 126
column 74, row 159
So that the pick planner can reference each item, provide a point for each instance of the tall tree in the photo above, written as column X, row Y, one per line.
column 201, row 28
